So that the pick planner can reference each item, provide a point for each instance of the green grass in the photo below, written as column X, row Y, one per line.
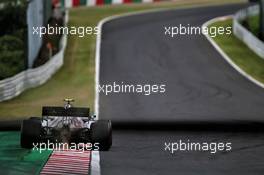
column 254, row 25
column 76, row 78
column 240, row 54
column 19, row 161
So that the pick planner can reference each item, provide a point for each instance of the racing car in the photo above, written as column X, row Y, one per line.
column 76, row 122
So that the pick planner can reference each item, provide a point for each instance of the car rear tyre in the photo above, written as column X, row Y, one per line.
column 30, row 133
column 101, row 133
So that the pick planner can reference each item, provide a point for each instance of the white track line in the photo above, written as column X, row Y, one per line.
column 224, row 55
column 95, row 163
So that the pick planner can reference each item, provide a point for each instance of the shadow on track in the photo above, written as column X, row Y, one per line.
column 11, row 125
column 235, row 126
column 229, row 126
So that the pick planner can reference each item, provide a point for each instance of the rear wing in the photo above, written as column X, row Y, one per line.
column 62, row 112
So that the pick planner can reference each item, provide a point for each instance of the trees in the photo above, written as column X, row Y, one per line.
column 13, row 33
column 261, row 21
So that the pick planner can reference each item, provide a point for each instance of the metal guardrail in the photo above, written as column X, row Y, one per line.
column 243, row 34
column 13, row 86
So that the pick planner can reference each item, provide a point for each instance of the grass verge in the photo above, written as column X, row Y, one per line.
column 76, row 78
column 19, row 161
column 240, row 54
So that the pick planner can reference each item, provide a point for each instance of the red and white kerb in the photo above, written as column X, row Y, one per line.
column 68, row 162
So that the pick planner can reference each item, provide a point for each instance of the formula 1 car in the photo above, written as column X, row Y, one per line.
column 66, row 124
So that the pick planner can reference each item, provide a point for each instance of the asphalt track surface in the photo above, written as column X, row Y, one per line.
column 201, row 88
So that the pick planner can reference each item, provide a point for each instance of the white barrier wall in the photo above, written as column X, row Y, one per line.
column 68, row 3
column 35, row 18
column 13, row 86
column 243, row 34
